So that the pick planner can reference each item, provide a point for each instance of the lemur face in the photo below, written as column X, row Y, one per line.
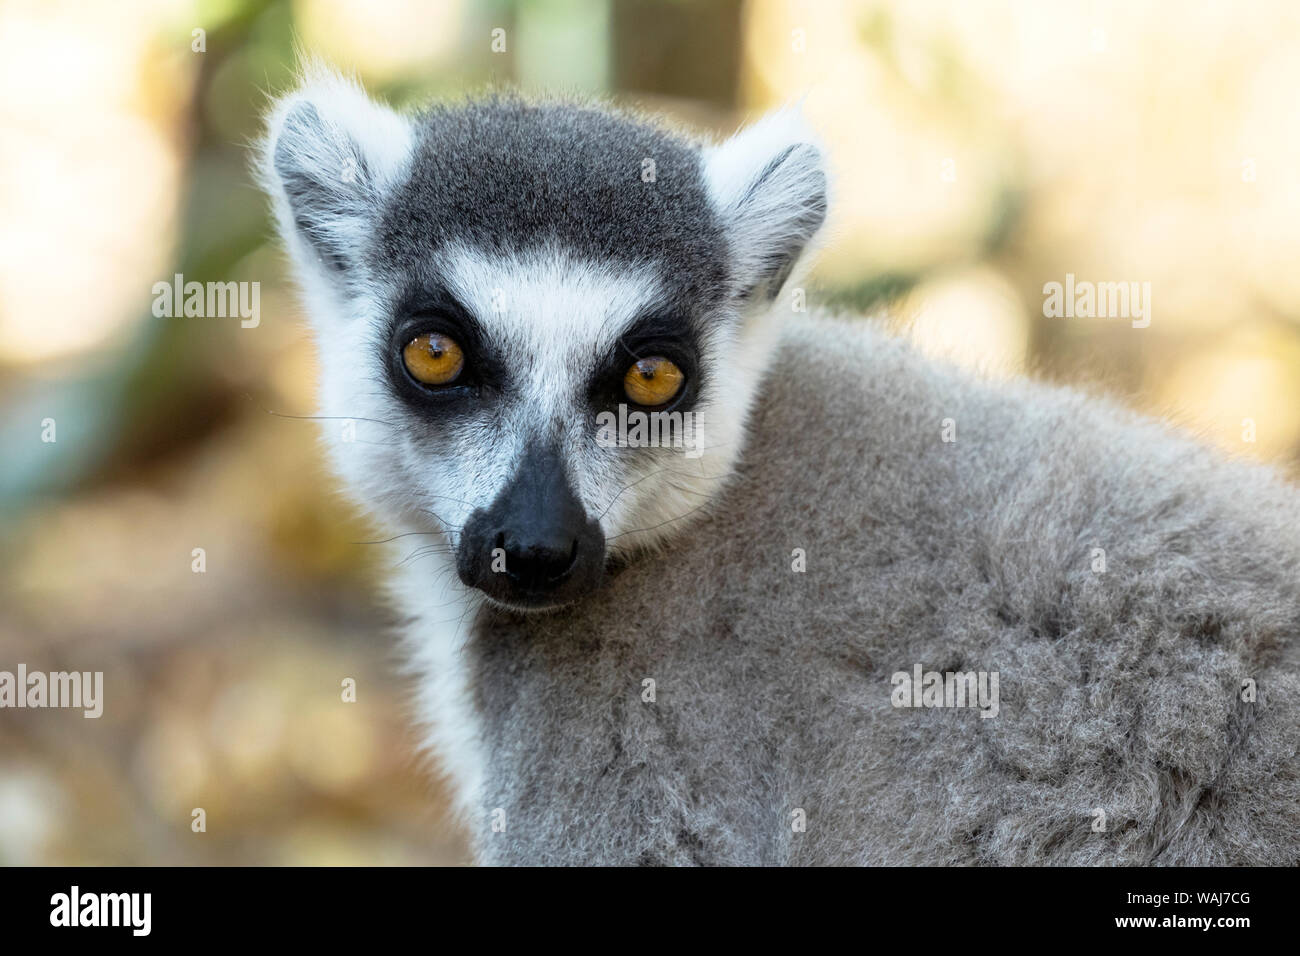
column 499, row 289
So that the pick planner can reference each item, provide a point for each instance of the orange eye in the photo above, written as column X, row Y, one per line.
column 653, row 381
column 433, row 358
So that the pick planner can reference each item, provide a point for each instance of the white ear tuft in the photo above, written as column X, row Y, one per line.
column 769, row 184
column 329, row 155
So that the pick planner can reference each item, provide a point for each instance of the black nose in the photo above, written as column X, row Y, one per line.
column 537, row 562
column 534, row 546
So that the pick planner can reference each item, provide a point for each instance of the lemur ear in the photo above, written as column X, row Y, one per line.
column 329, row 155
column 769, row 184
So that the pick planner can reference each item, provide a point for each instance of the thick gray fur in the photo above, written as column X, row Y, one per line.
column 1120, row 691
column 504, row 174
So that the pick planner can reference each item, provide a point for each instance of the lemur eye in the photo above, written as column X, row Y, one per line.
column 653, row 381
column 433, row 358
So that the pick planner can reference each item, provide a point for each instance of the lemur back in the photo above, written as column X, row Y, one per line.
column 771, row 737
column 728, row 652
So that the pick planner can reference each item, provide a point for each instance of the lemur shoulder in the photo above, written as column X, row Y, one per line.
column 636, row 655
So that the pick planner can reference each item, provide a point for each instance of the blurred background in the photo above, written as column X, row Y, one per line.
column 980, row 150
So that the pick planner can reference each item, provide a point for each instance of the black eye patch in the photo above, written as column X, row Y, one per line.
column 657, row 334
column 431, row 308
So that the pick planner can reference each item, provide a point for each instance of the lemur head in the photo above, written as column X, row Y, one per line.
column 495, row 287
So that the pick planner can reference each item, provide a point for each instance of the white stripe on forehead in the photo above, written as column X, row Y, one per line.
column 552, row 316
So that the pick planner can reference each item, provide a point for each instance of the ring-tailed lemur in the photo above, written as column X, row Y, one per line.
column 639, row 655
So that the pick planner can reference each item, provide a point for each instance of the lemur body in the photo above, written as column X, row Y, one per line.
column 690, row 660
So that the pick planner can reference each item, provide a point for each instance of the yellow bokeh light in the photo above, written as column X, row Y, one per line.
column 88, row 178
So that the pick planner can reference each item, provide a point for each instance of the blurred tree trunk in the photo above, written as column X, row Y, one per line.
column 684, row 50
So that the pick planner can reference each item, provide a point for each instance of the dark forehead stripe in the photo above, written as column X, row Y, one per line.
column 505, row 175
